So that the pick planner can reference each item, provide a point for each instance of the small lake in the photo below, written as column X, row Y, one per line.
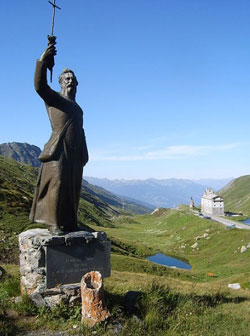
column 162, row 259
column 246, row 221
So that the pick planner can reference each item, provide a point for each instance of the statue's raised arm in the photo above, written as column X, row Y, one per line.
column 46, row 62
column 48, row 55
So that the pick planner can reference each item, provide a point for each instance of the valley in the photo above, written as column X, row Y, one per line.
column 206, row 245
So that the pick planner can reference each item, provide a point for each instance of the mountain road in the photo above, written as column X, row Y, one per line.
column 227, row 222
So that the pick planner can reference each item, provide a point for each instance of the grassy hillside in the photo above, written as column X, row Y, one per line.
column 237, row 195
column 174, row 232
column 17, row 181
column 172, row 302
column 16, row 189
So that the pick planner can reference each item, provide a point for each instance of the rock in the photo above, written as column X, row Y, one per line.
column 37, row 299
column 116, row 329
column 79, row 237
column 18, row 299
column 55, row 300
column 205, row 235
column 234, row 286
column 94, row 309
column 243, row 249
column 2, row 271
column 100, row 235
column 194, row 245
column 130, row 300
column 248, row 245
column 52, row 291
column 155, row 211
column 71, row 290
column 74, row 300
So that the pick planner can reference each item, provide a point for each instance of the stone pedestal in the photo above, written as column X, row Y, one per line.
column 49, row 263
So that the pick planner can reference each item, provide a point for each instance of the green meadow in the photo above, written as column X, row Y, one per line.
column 174, row 232
column 171, row 301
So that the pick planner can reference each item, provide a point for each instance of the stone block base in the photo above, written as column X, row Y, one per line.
column 49, row 262
column 69, row 294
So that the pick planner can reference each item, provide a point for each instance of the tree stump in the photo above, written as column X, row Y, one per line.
column 94, row 309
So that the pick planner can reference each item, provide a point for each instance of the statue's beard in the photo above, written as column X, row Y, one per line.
column 69, row 91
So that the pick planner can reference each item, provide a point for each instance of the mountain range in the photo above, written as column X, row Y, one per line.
column 168, row 193
column 21, row 152
column 138, row 196
column 215, row 184
column 113, row 200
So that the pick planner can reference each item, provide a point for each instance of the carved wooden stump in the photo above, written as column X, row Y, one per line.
column 94, row 309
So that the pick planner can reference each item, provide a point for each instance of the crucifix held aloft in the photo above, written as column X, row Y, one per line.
column 51, row 37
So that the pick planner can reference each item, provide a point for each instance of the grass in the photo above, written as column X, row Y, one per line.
column 173, row 302
column 174, row 232
column 17, row 183
column 237, row 196
column 165, row 307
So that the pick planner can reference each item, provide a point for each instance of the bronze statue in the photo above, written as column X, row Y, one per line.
column 58, row 186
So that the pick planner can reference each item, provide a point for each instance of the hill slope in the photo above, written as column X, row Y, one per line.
column 114, row 200
column 17, row 181
column 207, row 245
column 237, row 195
column 25, row 153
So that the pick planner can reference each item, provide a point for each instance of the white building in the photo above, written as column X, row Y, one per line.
column 212, row 204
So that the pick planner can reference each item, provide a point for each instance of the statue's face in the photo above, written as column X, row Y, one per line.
column 68, row 81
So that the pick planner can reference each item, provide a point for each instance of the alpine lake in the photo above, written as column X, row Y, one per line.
column 164, row 260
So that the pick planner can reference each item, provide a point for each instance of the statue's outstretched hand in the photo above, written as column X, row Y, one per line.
column 48, row 55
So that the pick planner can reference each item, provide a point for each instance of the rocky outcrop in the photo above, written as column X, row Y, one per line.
column 21, row 152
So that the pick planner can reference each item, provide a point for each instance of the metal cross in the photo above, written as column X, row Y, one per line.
column 51, row 37
column 53, row 15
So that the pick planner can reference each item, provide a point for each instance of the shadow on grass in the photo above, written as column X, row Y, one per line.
column 158, row 296
column 213, row 301
column 8, row 325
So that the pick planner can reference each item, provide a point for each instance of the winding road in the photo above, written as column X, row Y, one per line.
column 228, row 222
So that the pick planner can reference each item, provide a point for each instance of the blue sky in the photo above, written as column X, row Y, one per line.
column 164, row 84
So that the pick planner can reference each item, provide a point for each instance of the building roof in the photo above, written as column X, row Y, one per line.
column 210, row 194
